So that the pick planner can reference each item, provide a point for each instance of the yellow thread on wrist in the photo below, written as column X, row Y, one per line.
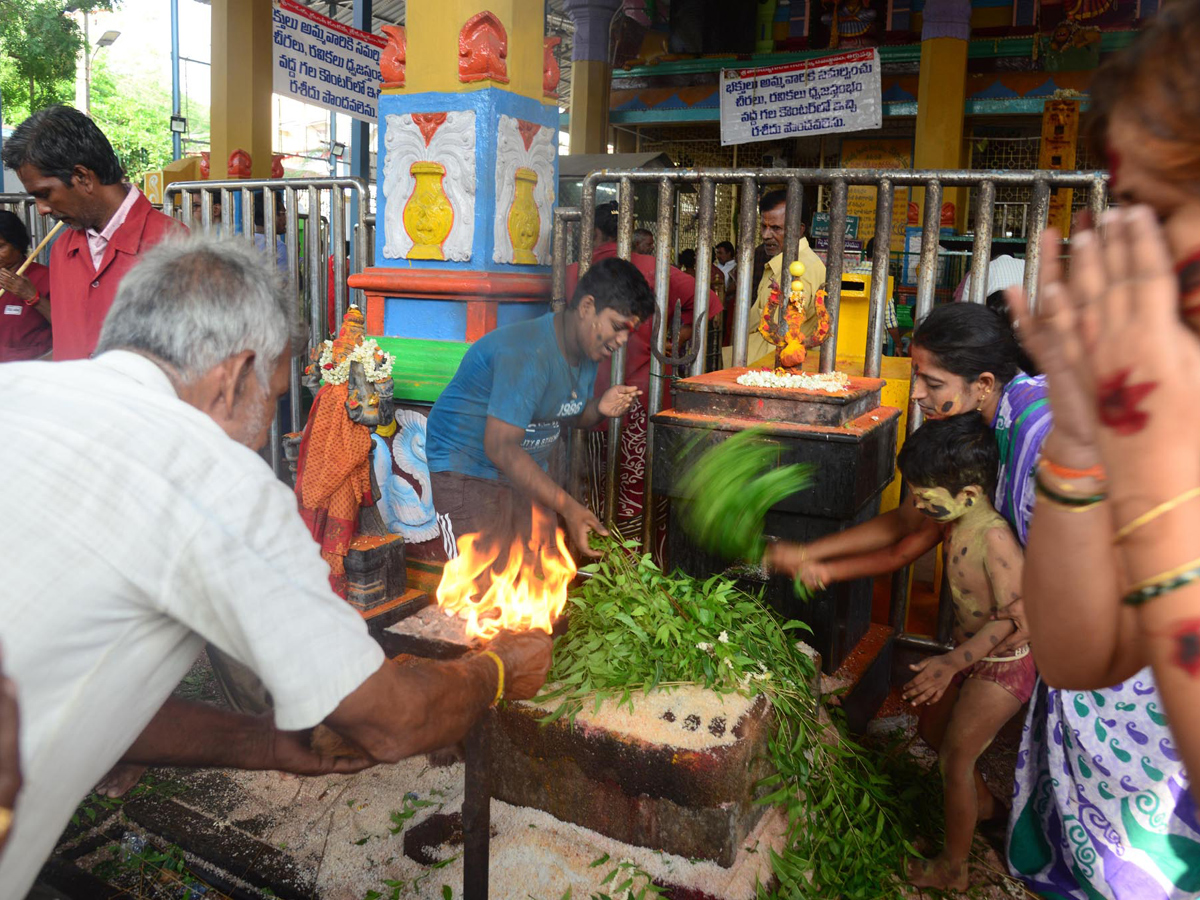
column 500, row 683
column 1161, row 510
column 1165, row 576
column 1152, row 588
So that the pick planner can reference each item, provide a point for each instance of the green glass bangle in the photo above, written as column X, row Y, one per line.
column 1153, row 591
column 1063, row 499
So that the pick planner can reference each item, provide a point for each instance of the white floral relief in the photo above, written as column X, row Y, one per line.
column 452, row 145
column 511, row 154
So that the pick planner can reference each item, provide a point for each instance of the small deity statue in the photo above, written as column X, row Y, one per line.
column 334, row 485
column 786, row 331
column 850, row 23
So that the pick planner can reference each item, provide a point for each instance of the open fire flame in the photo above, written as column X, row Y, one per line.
column 528, row 592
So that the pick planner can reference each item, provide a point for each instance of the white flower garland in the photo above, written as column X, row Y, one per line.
column 377, row 364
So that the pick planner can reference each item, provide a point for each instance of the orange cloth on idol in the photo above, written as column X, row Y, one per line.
column 333, row 477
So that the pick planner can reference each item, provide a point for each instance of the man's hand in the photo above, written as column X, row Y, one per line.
column 580, row 523
column 933, row 677
column 526, row 658
column 298, row 753
column 17, row 285
column 617, row 400
column 793, row 560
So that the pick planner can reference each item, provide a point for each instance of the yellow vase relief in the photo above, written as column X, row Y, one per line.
column 428, row 215
column 524, row 222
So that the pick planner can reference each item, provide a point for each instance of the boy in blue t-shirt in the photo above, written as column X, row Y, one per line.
column 491, row 432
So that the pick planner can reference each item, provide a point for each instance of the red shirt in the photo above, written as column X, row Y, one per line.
column 82, row 295
column 681, row 289
column 24, row 332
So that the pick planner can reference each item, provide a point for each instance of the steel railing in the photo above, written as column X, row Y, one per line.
column 1039, row 183
column 320, row 204
column 36, row 224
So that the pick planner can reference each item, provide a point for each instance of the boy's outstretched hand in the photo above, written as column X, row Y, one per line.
column 792, row 560
column 933, row 677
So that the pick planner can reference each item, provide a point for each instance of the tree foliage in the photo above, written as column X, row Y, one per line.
column 39, row 46
column 134, row 112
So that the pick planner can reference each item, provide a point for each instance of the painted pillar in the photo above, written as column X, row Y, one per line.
column 941, row 98
column 591, row 74
column 242, row 57
column 467, row 174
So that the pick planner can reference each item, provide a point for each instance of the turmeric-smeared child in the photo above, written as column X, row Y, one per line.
column 967, row 695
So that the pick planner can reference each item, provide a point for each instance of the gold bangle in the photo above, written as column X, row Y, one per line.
column 1151, row 588
column 6, row 817
column 1161, row 510
column 500, row 683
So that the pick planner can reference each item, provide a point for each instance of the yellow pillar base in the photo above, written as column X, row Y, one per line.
column 941, row 97
column 242, row 82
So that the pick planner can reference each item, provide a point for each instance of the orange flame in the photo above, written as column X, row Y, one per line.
column 529, row 592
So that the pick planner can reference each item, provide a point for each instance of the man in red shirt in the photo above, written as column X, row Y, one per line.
column 68, row 166
column 681, row 290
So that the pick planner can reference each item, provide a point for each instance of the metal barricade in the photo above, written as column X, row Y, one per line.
column 837, row 182
column 320, row 206
column 36, row 224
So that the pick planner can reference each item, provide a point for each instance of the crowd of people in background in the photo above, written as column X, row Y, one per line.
column 1083, row 477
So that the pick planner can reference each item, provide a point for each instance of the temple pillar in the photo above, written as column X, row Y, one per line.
column 941, row 99
column 467, row 179
column 242, row 82
column 591, row 74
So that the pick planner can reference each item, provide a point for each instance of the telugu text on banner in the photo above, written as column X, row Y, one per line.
column 816, row 96
column 323, row 62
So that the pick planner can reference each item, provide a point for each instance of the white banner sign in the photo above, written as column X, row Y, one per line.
column 817, row 96
column 321, row 61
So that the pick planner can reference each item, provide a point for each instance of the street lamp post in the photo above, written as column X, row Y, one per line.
column 106, row 40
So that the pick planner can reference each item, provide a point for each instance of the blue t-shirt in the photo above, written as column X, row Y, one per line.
column 518, row 375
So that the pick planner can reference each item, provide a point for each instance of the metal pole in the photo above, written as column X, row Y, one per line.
column 834, row 263
column 176, row 137
column 662, row 286
column 873, row 358
column 981, row 252
column 1033, row 248
column 708, row 213
column 337, row 237
column 624, row 251
column 926, row 278
column 747, row 231
column 477, row 810
column 291, row 239
column 313, row 260
column 793, row 217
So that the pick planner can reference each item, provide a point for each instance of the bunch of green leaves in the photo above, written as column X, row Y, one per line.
column 730, row 488
column 635, row 628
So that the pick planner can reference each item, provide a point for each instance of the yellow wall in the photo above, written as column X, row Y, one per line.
column 590, row 80
column 242, row 60
column 433, row 26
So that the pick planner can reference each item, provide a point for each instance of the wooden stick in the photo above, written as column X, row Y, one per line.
column 39, row 248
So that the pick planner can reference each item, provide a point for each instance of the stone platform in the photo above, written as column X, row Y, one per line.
column 676, row 774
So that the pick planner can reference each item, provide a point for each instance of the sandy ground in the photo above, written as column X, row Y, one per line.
column 345, row 836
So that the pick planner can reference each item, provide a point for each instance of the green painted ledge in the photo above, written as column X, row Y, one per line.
column 423, row 368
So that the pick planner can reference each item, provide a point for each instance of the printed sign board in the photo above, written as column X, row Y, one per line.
column 320, row 61
column 816, row 96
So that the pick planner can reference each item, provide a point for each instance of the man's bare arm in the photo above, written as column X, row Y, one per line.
column 184, row 733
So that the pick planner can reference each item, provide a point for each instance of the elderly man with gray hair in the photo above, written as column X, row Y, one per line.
column 138, row 522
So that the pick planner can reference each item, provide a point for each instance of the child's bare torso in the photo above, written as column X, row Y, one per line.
column 966, row 557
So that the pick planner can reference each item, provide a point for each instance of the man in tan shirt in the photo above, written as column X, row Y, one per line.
column 772, row 211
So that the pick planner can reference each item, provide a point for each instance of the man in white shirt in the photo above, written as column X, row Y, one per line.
column 1003, row 271
column 138, row 522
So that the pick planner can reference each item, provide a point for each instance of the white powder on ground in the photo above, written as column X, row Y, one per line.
column 829, row 382
column 689, row 717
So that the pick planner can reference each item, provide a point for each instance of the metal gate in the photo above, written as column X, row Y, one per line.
column 983, row 183
column 317, row 206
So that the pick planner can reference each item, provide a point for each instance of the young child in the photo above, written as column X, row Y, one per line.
column 966, row 695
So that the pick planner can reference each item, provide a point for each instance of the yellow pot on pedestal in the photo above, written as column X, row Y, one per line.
column 428, row 215
column 524, row 222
